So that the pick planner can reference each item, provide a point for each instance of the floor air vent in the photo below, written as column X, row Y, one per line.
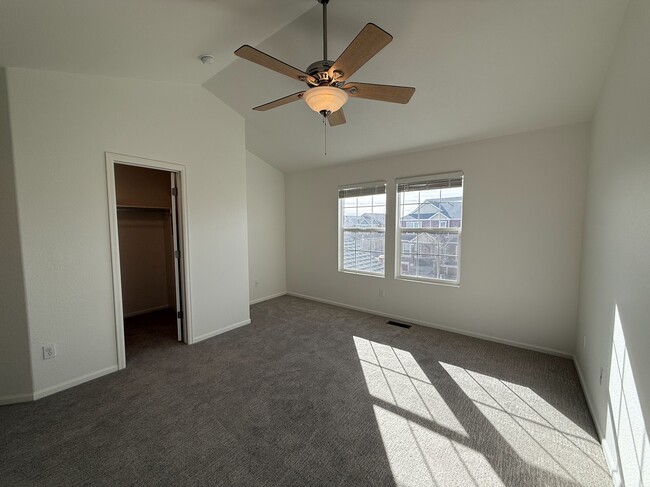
column 397, row 323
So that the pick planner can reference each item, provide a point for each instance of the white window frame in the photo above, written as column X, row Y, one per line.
column 351, row 190
column 451, row 179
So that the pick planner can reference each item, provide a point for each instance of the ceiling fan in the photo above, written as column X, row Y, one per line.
column 328, row 88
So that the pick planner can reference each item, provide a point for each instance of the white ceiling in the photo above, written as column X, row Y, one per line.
column 481, row 67
column 147, row 39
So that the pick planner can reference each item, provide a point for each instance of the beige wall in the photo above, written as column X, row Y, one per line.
column 62, row 125
column 266, row 229
column 522, row 234
column 15, row 366
column 145, row 253
column 614, row 324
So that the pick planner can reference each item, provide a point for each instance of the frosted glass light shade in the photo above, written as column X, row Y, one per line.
column 326, row 98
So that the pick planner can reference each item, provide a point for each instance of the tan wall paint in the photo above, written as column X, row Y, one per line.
column 522, row 234
column 614, row 308
column 62, row 126
column 266, row 229
column 15, row 367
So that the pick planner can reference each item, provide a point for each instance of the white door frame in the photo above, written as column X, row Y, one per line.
column 111, row 160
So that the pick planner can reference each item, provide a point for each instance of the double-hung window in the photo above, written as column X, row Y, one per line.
column 429, row 225
column 362, row 228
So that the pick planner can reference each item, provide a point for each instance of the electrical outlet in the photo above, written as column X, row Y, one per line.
column 382, row 292
column 49, row 351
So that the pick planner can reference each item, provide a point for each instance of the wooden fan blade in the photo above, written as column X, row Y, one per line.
column 258, row 57
column 365, row 45
column 336, row 118
column 279, row 102
column 369, row 91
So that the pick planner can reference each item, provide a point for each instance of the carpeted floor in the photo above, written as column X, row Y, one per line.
column 312, row 395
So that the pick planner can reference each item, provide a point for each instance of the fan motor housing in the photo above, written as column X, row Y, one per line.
column 319, row 70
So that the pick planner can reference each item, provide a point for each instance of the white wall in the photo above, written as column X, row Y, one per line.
column 15, row 367
column 522, row 233
column 615, row 287
column 266, row 229
column 62, row 124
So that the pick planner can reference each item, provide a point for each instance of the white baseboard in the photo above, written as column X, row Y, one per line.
column 590, row 403
column 272, row 296
column 612, row 466
column 472, row 334
column 145, row 311
column 15, row 399
column 74, row 382
column 611, row 462
column 200, row 338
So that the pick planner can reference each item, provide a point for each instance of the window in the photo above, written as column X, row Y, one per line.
column 429, row 223
column 362, row 228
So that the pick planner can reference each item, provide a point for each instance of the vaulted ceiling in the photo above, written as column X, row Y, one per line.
column 482, row 68
column 147, row 39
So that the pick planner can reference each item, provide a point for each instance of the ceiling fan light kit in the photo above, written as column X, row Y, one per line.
column 327, row 82
column 325, row 99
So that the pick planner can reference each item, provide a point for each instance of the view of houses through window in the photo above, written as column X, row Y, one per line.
column 429, row 222
column 363, row 233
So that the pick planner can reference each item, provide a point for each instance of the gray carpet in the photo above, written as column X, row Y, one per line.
column 311, row 394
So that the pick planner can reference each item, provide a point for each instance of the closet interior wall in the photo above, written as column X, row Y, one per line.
column 145, row 237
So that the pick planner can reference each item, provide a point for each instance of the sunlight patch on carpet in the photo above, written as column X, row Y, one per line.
column 542, row 436
column 417, row 425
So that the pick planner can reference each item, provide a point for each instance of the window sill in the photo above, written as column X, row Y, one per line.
column 367, row 274
column 428, row 281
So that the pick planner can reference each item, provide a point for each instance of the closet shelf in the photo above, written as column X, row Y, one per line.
column 142, row 208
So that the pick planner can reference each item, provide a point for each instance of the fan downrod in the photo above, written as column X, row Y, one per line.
column 324, row 4
column 319, row 70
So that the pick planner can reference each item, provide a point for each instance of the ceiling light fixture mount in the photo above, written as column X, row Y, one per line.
column 327, row 83
column 207, row 58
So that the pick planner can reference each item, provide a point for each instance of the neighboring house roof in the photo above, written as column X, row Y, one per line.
column 425, row 238
column 364, row 261
column 449, row 208
column 422, row 238
column 366, row 220
column 377, row 219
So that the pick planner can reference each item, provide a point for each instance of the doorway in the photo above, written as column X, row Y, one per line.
column 146, row 204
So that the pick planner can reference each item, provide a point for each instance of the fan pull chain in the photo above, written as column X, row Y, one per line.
column 325, row 127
